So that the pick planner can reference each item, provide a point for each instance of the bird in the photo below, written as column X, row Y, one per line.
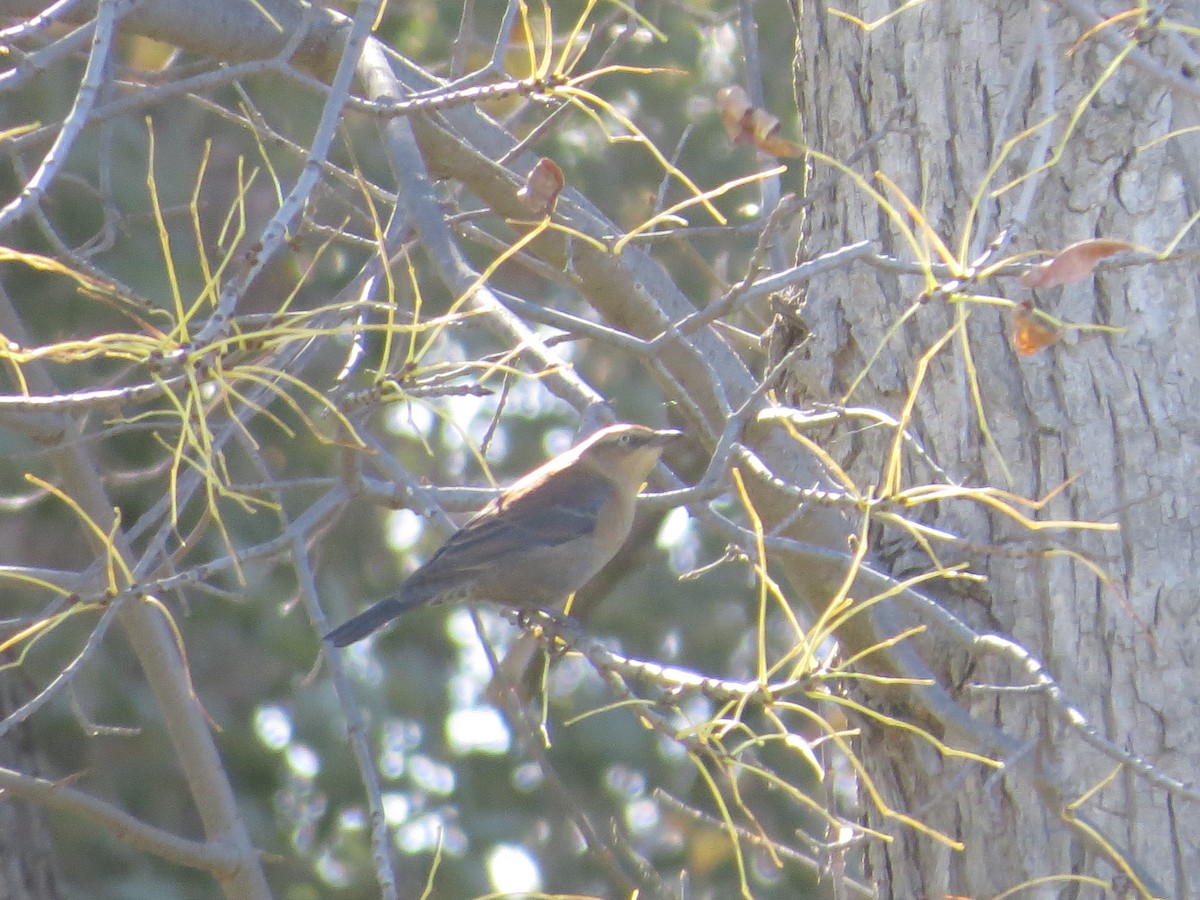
column 540, row 540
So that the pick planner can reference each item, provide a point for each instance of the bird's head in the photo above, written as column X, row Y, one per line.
column 626, row 452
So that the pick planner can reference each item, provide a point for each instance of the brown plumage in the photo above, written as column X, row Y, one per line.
column 541, row 539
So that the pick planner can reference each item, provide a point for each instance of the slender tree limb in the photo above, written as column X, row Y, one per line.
column 213, row 857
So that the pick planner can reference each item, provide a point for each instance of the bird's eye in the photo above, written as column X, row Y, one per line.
column 625, row 438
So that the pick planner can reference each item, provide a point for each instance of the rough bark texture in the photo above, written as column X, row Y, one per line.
column 924, row 101
column 28, row 868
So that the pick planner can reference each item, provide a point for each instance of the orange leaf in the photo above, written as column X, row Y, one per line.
column 540, row 193
column 1030, row 335
column 747, row 124
column 1073, row 264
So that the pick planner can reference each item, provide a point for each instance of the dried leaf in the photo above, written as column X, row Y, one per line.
column 1073, row 264
column 746, row 124
column 736, row 114
column 540, row 193
column 1030, row 335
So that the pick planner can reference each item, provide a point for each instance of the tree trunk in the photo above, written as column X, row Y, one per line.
column 28, row 868
column 930, row 100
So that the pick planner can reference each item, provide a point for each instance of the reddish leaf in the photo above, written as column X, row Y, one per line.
column 746, row 124
column 736, row 112
column 1030, row 335
column 1073, row 264
column 540, row 193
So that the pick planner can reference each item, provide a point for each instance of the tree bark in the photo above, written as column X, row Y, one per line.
column 28, row 866
column 930, row 100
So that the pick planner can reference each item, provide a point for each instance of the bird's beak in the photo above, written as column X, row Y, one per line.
column 664, row 436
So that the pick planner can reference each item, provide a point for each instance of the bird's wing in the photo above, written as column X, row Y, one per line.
column 556, row 511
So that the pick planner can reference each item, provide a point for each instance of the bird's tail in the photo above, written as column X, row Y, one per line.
column 367, row 621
